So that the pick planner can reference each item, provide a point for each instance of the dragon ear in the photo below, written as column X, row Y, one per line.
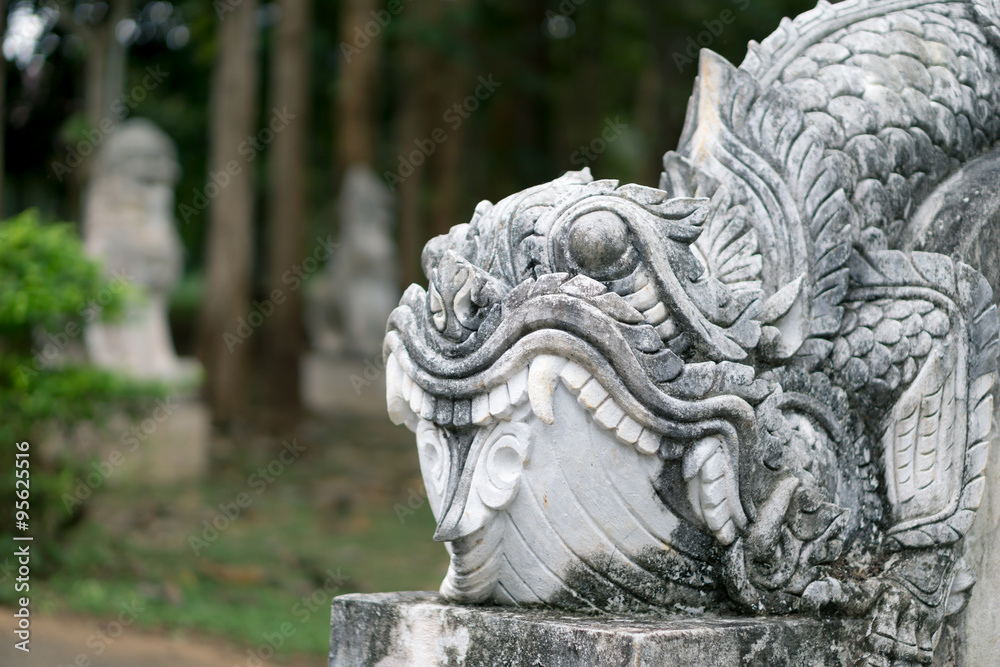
column 786, row 316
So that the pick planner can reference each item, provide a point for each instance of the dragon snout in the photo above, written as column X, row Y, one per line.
column 460, row 296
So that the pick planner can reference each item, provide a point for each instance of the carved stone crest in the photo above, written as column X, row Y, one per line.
column 735, row 391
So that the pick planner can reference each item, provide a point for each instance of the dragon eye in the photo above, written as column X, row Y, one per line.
column 598, row 242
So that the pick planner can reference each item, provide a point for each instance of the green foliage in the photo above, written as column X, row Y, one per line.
column 49, row 291
column 45, row 279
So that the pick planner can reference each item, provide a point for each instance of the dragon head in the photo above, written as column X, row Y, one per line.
column 569, row 323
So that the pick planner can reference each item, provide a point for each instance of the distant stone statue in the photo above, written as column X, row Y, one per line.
column 756, row 387
column 129, row 226
column 349, row 304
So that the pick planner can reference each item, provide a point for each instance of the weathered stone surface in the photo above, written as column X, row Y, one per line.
column 962, row 220
column 764, row 386
column 406, row 629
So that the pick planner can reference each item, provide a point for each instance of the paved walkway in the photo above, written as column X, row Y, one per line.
column 71, row 641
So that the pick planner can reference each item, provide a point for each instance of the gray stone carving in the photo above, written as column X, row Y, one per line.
column 747, row 389
column 129, row 225
column 349, row 303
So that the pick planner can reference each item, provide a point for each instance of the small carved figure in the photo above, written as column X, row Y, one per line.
column 734, row 390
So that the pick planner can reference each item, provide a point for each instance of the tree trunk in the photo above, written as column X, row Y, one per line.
column 226, row 323
column 456, row 82
column 288, row 210
column 105, row 65
column 357, row 86
column 104, row 69
column 416, row 94
column 410, row 124
column 94, row 66
column 115, row 62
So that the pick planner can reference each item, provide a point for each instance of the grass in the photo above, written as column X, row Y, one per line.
column 327, row 524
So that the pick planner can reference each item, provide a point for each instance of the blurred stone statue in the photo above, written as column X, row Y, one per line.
column 349, row 304
column 129, row 226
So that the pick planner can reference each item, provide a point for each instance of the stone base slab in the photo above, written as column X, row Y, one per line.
column 170, row 445
column 396, row 629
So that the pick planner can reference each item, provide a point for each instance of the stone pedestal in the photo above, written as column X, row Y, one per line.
column 177, row 448
column 167, row 446
column 390, row 629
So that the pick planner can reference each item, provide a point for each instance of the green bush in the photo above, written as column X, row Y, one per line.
column 49, row 291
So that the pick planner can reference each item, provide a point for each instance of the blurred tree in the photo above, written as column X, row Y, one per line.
column 409, row 64
column 427, row 170
column 408, row 125
column 357, row 90
column 233, row 138
column 457, row 80
column 287, row 212
column 95, row 24
column 106, row 63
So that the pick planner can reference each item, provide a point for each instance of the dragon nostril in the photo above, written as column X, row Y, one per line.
column 438, row 312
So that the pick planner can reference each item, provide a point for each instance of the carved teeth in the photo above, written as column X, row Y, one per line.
column 499, row 401
column 726, row 534
column 427, row 407
column 517, row 386
column 643, row 299
column 480, row 409
column 713, row 494
column 416, row 398
column 629, row 430
column 409, row 403
column 605, row 410
column 609, row 414
column 666, row 330
column 399, row 388
column 592, row 395
column 406, row 388
column 394, row 400
column 705, row 468
column 649, row 442
column 575, row 375
column 656, row 314
column 696, row 457
column 716, row 517
column 542, row 375
column 714, row 467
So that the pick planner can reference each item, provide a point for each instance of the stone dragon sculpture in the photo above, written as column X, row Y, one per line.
column 734, row 391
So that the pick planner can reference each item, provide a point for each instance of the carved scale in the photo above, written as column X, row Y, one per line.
column 734, row 391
